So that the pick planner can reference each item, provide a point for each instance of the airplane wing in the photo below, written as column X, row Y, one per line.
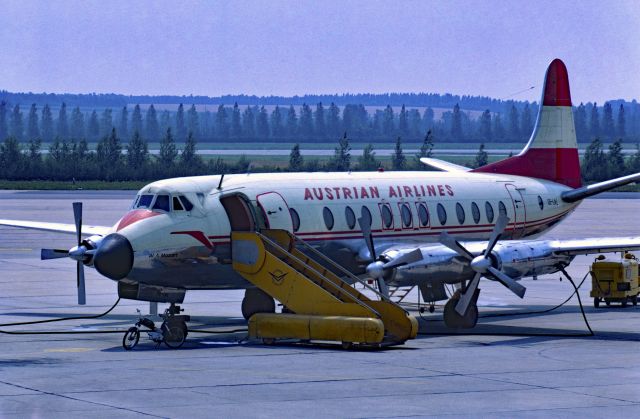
column 442, row 165
column 595, row 245
column 519, row 258
column 87, row 230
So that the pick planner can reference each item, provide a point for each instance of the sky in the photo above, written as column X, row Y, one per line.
column 491, row 48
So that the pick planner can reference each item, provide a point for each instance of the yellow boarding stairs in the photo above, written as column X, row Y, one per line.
column 326, row 307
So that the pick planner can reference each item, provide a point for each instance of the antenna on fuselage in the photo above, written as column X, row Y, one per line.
column 220, row 183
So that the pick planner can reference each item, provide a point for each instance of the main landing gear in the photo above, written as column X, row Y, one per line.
column 455, row 320
column 257, row 301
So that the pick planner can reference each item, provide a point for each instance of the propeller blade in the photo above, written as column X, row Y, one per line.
column 46, row 254
column 447, row 240
column 368, row 237
column 411, row 257
column 77, row 216
column 465, row 299
column 508, row 282
column 82, row 298
column 498, row 229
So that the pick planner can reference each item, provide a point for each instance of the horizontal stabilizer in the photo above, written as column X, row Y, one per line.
column 596, row 188
column 442, row 165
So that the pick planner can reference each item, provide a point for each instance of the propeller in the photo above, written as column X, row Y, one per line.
column 79, row 253
column 378, row 269
column 482, row 265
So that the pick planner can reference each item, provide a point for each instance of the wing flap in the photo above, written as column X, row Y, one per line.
column 57, row 227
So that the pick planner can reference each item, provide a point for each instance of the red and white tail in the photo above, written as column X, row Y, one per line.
column 552, row 150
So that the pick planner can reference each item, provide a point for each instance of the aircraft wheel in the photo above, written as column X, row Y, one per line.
column 257, row 301
column 454, row 320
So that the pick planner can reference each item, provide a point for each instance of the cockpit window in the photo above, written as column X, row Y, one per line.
column 144, row 201
column 162, row 203
column 186, row 203
column 177, row 206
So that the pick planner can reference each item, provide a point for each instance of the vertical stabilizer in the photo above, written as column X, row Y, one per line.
column 552, row 150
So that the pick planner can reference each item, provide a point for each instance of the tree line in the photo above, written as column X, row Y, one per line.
column 113, row 160
column 104, row 100
column 307, row 123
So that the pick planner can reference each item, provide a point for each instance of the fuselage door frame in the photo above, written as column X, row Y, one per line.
column 519, row 210
column 275, row 211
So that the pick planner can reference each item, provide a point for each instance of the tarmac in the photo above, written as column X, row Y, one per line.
column 518, row 361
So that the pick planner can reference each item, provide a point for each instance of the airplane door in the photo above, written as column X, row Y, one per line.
column 275, row 210
column 519, row 210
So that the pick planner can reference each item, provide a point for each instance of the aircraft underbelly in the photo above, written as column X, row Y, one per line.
column 219, row 276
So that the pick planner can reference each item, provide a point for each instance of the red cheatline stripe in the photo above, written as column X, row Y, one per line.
column 480, row 228
column 198, row 235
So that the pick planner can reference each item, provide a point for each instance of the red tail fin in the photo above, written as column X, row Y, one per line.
column 552, row 150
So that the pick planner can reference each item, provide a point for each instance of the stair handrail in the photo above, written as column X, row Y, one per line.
column 332, row 284
column 344, row 270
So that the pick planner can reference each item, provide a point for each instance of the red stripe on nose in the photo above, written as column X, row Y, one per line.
column 198, row 235
column 135, row 216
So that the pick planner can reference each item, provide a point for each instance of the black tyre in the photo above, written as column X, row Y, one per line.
column 635, row 300
column 173, row 335
column 257, row 301
column 623, row 302
column 131, row 338
column 596, row 302
column 268, row 341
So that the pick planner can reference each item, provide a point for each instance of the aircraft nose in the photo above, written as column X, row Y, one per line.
column 114, row 257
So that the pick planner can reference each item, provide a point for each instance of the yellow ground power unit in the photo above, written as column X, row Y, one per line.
column 615, row 281
column 346, row 330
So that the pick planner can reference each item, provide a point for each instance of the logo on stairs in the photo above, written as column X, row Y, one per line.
column 278, row 276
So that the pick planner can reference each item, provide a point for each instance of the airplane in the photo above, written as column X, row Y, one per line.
column 454, row 225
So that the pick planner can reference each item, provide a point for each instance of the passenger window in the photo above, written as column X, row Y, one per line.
column 350, row 217
column 423, row 215
column 328, row 218
column 186, row 203
column 489, row 210
column 387, row 216
column 366, row 216
column 145, row 201
column 460, row 213
column 442, row 214
column 405, row 213
column 177, row 206
column 475, row 212
column 162, row 203
column 502, row 209
column 540, row 203
column 295, row 219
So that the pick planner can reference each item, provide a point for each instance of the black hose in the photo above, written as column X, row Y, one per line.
column 60, row 319
column 575, row 292
column 80, row 332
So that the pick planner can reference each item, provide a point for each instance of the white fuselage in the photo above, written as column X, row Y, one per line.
column 191, row 249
